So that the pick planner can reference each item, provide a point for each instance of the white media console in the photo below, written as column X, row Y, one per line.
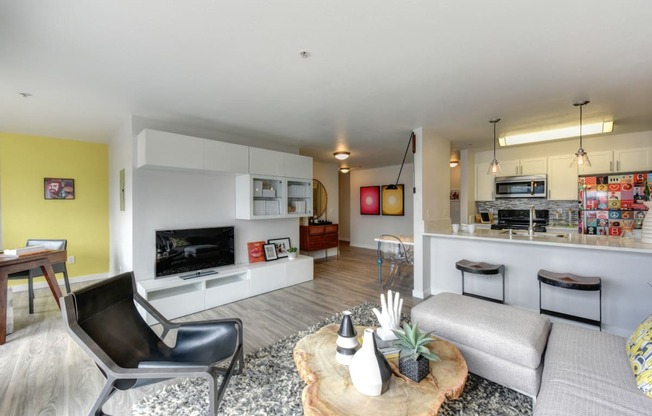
column 175, row 297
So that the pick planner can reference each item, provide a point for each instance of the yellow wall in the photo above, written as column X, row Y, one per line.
column 84, row 221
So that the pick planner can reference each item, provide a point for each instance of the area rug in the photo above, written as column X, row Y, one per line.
column 270, row 385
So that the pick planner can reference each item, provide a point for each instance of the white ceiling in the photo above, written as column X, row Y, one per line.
column 377, row 69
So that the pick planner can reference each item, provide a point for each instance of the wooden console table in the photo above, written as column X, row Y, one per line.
column 319, row 237
column 10, row 264
column 329, row 391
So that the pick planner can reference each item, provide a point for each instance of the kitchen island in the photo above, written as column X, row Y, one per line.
column 624, row 264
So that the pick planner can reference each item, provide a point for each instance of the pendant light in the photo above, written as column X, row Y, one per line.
column 494, row 167
column 581, row 157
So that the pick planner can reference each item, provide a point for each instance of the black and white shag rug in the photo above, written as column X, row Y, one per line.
column 270, row 385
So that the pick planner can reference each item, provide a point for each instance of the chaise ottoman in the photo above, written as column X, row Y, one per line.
column 501, row 343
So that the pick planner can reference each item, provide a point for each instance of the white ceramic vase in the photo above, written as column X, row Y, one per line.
column 370, row 372
column 646, row 229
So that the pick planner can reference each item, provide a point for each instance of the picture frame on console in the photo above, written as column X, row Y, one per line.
column 282, row 245
column 270, row 252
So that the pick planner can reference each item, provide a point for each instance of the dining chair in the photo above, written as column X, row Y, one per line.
column 37, row 272
column 392, row 250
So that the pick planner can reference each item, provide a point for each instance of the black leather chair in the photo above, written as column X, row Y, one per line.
column 104, row 320
column 33, row 273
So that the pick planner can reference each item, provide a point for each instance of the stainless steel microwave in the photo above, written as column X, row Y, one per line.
column 531, row 186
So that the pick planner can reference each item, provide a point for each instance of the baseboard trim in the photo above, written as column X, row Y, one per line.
column 76, row 279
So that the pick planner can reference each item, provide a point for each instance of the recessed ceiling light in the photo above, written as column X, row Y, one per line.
column 25, row 94
column 342, row 155
column 304, row 53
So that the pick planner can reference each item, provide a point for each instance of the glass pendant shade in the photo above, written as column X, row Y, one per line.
column 494, row 167
column 581, row 158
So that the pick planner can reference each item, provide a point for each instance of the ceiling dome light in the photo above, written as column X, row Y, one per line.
column 345, row 170
column 342, row 155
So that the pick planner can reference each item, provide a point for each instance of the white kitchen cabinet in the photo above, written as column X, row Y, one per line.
column 630, row 160
column 562, row 178
column 159, row 149
column 601, row 162
column 531, row 166
column 484, row 183
column 259, row 197
column 619, row 160
column 226, row 157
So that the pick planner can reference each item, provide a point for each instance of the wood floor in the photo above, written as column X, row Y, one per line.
column 44, row 372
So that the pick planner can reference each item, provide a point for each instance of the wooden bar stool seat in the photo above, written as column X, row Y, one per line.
column 481, row 268
column 573, row 282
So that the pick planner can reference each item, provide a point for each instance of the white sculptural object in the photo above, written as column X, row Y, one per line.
column 390, row 315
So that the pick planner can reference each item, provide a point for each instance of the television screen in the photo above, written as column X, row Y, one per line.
column 194, row 250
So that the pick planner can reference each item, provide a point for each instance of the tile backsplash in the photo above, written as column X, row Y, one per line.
column 561, row 213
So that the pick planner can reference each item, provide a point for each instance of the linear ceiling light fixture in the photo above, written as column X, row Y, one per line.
column 342, row 155
column 412, row 140
column 494, row 167
column 556, row 134
column 581, row 158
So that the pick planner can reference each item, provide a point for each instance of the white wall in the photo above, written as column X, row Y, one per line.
column 364, row 228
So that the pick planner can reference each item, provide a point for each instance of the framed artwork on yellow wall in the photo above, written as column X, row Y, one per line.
column 58, row 188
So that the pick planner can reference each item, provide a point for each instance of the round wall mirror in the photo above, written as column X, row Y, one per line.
column 319, row 198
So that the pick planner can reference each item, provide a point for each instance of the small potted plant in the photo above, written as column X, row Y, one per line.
column 292, row 253
column 414, row 356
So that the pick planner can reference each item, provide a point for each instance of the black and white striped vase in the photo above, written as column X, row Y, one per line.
column 347, row 340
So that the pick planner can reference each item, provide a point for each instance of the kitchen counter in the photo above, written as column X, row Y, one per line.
column 555, row 236
column 623, row 264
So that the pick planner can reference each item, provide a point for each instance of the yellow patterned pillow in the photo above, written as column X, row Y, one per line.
column 639, row 349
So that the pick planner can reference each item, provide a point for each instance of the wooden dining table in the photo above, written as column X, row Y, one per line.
column 13, row 264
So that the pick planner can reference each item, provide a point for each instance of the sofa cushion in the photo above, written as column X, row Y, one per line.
column 510, row 333
column 639, row 350
column 587, row 372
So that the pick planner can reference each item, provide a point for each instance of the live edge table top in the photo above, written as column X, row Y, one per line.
column 329, row 390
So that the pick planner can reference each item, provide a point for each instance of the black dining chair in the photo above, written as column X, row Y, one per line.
column 104, row 320
column 37, row 272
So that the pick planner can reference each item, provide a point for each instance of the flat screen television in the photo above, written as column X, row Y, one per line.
column 194, row 252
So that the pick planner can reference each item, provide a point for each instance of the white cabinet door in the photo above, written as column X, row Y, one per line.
column 169, row 150
column 601, row 162
column 297, row 166
column 266, row 162
column 225, row 157
column 562, row 178
column 266, row 277
column 299, row 270
column 509, row 167
column 534, row 166
column 484, row 183
column 630, row 160
column 259, row 197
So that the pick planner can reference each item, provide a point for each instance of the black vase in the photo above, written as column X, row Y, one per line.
column 414, row 370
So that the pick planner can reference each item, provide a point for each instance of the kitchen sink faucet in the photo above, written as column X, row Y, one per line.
column 530, row 229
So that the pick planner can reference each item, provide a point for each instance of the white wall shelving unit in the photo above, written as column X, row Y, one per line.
column 175, row 297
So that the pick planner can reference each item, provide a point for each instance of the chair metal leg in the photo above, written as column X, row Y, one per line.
column 65, row 278
column 30, row 293
column 104, row 396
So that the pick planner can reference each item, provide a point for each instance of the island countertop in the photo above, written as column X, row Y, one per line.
column 568, row 240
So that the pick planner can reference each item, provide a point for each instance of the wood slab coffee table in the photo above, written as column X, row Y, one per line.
column 329, row 390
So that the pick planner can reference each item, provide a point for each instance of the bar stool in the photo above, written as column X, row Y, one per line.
column 574, row 282
column 481, row 268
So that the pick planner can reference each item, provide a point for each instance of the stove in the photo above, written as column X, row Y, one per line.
column 519, row 219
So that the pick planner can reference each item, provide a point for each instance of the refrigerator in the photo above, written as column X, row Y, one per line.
column 612, row 204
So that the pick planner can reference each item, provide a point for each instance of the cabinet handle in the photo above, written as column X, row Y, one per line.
column 618, row 166
column 611, row 166
column 548, row 193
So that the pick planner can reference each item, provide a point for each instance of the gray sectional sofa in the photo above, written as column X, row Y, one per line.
column 578, row 371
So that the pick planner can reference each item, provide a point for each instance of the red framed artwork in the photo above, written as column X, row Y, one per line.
column 370, row 200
